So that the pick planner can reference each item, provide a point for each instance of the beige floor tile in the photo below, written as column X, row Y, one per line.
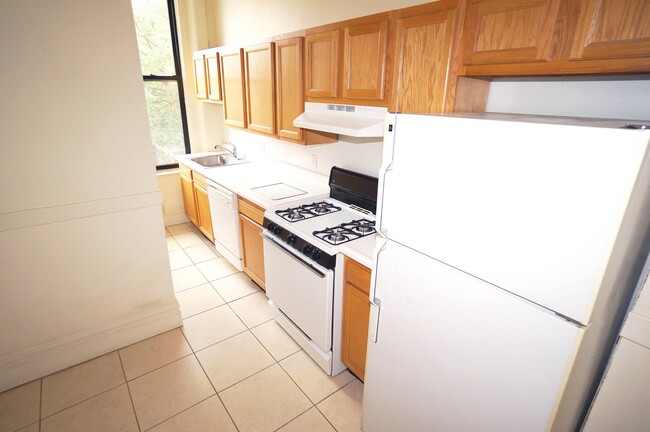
column 167, row 233
column 73, row 385
column 172, row 245
column 253, row 310
column 179, row 259
column 216, row 268
column 235, row 286
column 187, row 277
column 312, row 421
column 275, row 340
column 200, row 253
column 188, row 239
column 178, row 229
column 165, row 392
column 343, row 408
column 19, row 407
column 316, row 384
column 207, row 416
column 265, row 401
column 31, row 428
column 152, row 353
column 234, row 359
column 212, row 326
column 107, row 412
column 198, row 299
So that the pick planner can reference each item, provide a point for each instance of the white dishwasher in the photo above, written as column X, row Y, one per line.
column 225, row 223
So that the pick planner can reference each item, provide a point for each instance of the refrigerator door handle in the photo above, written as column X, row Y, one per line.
column 375, row 302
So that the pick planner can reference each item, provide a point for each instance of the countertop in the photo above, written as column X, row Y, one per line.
column 243, row 178
column 360, row 250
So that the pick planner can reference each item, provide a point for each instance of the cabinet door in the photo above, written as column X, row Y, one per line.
column 203, row 211
column 234, row 94
column 424, row 44
column 356, row 312
column 507, row 31
column 364, row 61
column 253, row 250
column 200, row 87
column 188, row 199
column 322, row 54
column 288, row 83
column 610, row 29
column 213, row 75
column 259, row 67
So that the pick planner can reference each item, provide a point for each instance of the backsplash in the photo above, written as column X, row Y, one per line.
column 356, row 154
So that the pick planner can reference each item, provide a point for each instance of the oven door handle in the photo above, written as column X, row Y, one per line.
column 306, row 265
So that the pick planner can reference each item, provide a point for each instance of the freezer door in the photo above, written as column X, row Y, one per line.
column 533, row 208
column 455, row 354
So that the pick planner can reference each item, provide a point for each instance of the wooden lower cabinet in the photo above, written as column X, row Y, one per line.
column 203, row 209
column 356, row 313
column 187, row 190
column 195, row 200
column 251, row 218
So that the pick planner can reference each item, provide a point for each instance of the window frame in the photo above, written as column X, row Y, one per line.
column 178, row 78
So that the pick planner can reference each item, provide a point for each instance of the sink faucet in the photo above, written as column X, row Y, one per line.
column 232, row 152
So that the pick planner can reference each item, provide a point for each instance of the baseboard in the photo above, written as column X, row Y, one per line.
column 36, row 362
column 175, row 218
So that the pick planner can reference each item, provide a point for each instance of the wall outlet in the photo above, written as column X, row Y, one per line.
column 314, row 161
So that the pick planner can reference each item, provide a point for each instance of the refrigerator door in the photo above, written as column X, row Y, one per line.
column 532, row 208
column 456, row 354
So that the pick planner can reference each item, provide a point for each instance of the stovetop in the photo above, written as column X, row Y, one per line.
column 327, row 222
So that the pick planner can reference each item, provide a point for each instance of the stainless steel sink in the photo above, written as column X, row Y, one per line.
column 216, row 160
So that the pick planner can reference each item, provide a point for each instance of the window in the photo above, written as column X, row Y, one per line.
column 155, row 26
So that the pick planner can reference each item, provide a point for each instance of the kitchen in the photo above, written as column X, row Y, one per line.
column 346, row 154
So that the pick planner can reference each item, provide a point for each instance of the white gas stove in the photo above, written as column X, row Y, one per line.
column 303, row 265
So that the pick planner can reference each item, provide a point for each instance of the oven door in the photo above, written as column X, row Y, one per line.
column 302, row 290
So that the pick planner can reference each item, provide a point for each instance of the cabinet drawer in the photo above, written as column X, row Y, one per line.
column 199, row 179
column 253, row 211
column 185, row 171
column 357, row 274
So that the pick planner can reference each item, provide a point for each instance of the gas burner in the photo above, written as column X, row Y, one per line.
column 346, row 231
column 361, row 226
column 306, row 211
column 337, row 236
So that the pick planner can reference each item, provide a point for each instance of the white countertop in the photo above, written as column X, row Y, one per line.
column 243, row 178
column 360, row 250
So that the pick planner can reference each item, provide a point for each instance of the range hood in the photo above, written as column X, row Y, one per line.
column 350, row 120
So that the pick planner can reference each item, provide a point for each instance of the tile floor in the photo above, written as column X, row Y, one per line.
column 229, row 368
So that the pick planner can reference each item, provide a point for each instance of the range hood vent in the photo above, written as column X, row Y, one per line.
column 350, row 120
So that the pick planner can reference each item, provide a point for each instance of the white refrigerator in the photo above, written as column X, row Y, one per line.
column 508, row 253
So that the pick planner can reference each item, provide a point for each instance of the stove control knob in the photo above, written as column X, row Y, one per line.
column 271, row 226
column 307, row 249
column 291, row 239
column 315, row 255
column 277, row 230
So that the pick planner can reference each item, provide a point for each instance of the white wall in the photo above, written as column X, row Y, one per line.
column 84, row 266
column 619, row 97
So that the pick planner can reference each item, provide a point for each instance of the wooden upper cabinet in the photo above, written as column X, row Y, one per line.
column 322, row 64
column 213, row 75
column 424, row 75
column 259, row 66
column 610, row 29
column 200, row 86
column 288, row 85
column 510, row 31
column 365, row 47
column 234, row 92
